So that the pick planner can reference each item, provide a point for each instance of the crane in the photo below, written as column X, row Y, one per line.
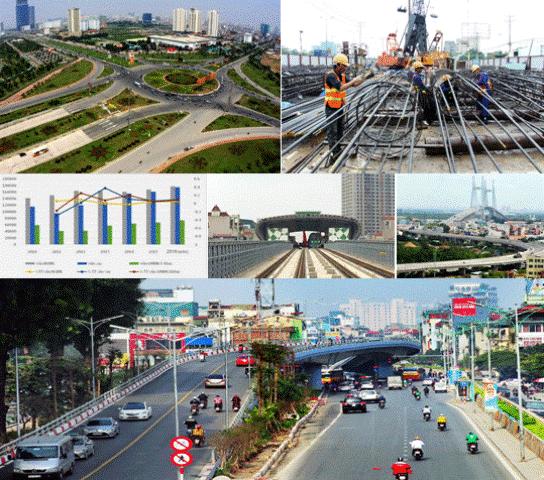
column 416, row 31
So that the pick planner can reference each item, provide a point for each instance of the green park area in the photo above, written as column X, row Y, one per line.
column 94, row 53
column 53, row 103
column 262, row 76
column 261, row 106
column 107, row 71
column 96, row 154
column 248, row 156
column 124, row 101
column 179, row 81
column 233, row 75
column 232, row 121
column 67, row 76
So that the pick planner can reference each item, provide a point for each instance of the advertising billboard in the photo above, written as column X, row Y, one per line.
column 464, row 307
column 534, row 293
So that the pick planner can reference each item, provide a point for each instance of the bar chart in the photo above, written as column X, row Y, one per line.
column 128, row 224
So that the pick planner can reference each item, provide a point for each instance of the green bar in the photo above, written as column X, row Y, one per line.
column 182, row 232
column 133, row 241
column 110, row 234
column 37, row 234
column 85, row 237
column 158, row 233
column 61, row 237
column 134, row 263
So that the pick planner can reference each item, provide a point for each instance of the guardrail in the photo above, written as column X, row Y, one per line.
column 227, row 258
column 381, row 253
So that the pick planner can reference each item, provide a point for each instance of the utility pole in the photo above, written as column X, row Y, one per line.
column 300, row 32
column 509, row 20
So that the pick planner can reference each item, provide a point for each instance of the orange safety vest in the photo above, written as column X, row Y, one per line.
column 334, row 97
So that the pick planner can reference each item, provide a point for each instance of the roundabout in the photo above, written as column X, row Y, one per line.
column 186, row 82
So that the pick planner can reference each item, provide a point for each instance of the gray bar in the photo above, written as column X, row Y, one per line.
column 100, row 216
column 27, row 220
column 148, row 216
column 172, row 216
column 52, row 219
column 76, row 217
column 124, row 200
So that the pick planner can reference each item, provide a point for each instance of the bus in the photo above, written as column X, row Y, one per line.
column 38, row 151
column 411, row 373
column 331, row 375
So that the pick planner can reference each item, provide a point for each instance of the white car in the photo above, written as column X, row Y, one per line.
column 135, row 411
column 345, row 386
column 369, row 396
column 440, row 387
column 428, row 381
column 367, row 386
column 83, row 446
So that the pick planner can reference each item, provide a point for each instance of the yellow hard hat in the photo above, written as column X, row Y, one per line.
column 475, row 67
column 446, row 77
column 417, row 438
column 418, row 65
column 341, row 58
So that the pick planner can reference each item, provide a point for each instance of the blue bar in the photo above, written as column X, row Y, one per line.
column 177, row 216
column 129, row 219
column 153, row 219
column 82, row 263
column 80, row 226
column 32, row 239
column 56, row 229
column 104, row 224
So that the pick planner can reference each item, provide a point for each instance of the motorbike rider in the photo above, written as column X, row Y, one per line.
column 426, row 391
column 417, row 443
column 190, row 423
column 414, row 390
column 218, row 401
column 195, row 402
column 417, row 395
column 441, row 419
column 426, row 409
column 203, row 398
column 472, row 438
column 400, row 466
column 198, row 432
column 236, row 401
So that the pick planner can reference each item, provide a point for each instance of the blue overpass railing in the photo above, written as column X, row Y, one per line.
column 228, row 258
column 378, row 252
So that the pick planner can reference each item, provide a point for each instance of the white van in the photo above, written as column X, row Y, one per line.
column 44, row 456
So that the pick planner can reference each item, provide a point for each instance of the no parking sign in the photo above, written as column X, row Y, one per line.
column 181, row 458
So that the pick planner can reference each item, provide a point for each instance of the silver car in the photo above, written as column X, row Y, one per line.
column 135, row 411
column 101, row 427
column 369, row 396
column 83, row 447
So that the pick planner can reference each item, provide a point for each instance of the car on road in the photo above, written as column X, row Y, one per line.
column 367, row 386
column 345, row 386
column 356, row 404
column 101, row 427
column 188, row 148
column 428, row 382
column 216, row 380
column 503, row 391
column 440, row 387
column 135, row 411
column 83, row 447
column 244, row 360
column 369, row 396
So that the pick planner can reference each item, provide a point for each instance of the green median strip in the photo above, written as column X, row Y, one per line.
column 67, row 76
column 262, row 76
column 261, row 106
column 233, row 75
column 232, row 121
column 94, row 53
column 107, row 71
column 96, row 154
column 54, row 103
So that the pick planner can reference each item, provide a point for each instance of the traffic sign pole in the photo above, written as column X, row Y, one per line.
column 180, row 474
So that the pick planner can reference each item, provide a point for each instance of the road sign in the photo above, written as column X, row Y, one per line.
column 181, row 444
column 181, row 459
column 463, row 383
column 464, row 307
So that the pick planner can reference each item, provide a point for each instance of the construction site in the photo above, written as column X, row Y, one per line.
column 387, row 124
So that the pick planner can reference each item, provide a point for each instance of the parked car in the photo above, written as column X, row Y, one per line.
column 244, row 361
column 216, row 380
column 353, row 404
column 135, row 411
column 102, row 427
column 83, row 446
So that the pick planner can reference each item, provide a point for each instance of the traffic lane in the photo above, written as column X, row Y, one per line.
column 147, row 456
column 357, row 443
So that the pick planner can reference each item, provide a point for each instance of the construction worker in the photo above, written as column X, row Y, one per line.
column 447, row 89
column 482, row 101
column 425, row 97
column 335, row 98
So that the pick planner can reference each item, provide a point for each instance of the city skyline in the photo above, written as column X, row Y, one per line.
column 231, row 12
column 318, row 297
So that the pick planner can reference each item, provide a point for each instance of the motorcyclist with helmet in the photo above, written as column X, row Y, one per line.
column 236, row 401
column 417, row 444
column 426, row 391
column 198, row 432
column 401, row 467
column 218, row 402
column 190, row 423
column 427, row 410
column 441, row 419
column 195, row 403
column 472, row 438
column 203, row 399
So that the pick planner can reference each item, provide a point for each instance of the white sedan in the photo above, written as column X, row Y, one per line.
column 369, row 396
column 135, row 411
column 440, row 387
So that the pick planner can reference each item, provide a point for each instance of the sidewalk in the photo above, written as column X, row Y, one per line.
column 502, row 441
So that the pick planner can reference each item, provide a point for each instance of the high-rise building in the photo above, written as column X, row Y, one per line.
column 31, row 16
column 179, row 20
column 103, row 22
column 74, row 22
column 380, row 315
column 147, row 19
column 21, row 13
column 265, row 28
column 213, row 24
column 195, row 20
column 370, row 199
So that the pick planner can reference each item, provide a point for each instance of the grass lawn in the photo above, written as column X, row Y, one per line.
column 177, row 81
column 94, row 53
column 124, row 101
column 232, row 121
column 107, row 71
column 262, row 106
column 249, row 156
column 67, row 76
column 54, row 103
column 263, row 76
column 213, row 67
column 240, row 81
column 96, row 154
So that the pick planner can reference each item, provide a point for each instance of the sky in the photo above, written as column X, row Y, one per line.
column 240, row 12
column 513, row 192
column 381, row 18
column 317, row 297
column 261, row 196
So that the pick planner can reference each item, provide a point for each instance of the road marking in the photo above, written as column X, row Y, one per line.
column 100, row 467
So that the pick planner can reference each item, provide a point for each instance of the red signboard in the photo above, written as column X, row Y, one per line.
column 438, row 315
column 464, row 307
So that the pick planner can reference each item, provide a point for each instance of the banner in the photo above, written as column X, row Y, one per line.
column 490, row 396
column 464, row 307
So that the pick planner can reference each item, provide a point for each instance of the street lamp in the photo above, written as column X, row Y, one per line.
column 92, row 326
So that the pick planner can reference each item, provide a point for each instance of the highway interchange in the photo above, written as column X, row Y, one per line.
column 186, row 134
